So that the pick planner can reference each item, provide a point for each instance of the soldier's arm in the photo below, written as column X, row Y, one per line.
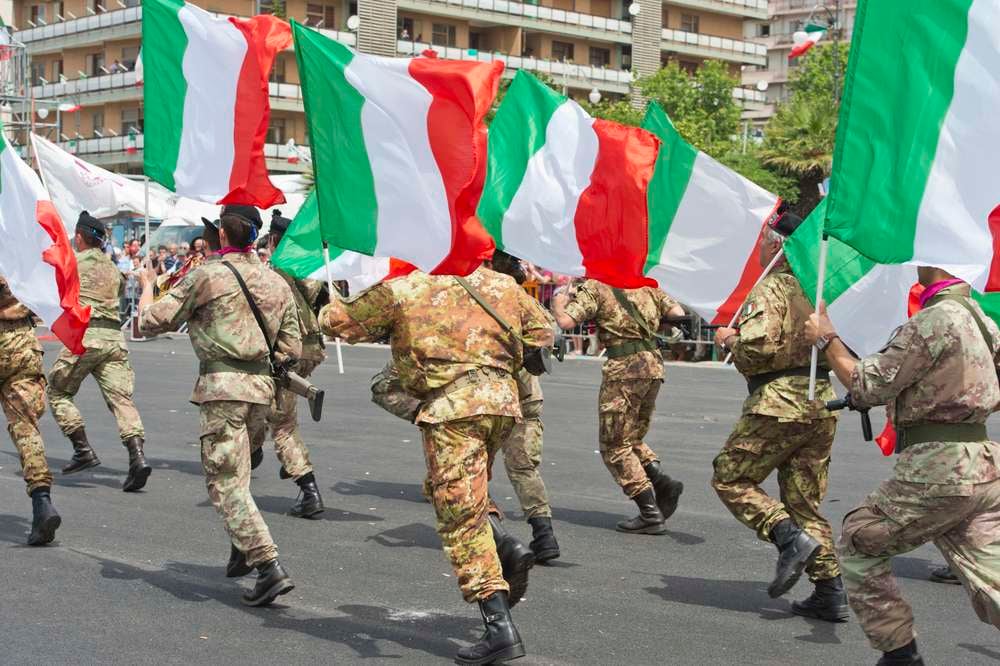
column 365, row 318
column 881, row 377
column 584, row 306
column 759, row 330
column 168, row 313
column 668, row 306
column 288, row 344
column 536, row 323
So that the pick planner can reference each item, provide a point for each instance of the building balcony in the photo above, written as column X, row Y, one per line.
column 749, row 96
column 751, row 9
column 709, row 46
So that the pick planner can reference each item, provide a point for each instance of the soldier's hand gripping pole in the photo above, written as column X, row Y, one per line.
column 847, row 403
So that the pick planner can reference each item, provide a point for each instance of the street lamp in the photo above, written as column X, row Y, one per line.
column 594, row 96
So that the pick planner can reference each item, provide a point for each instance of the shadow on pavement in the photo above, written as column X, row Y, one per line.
column 990, row 652
column 95, row 476
column 406, row 492
column 742, row 596
column 14, row 529
column 414, row 535
column 607, row 521
column 281, row 505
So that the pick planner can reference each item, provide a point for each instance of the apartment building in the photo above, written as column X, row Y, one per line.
column 83, row 54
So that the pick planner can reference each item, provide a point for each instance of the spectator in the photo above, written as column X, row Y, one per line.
column 131, row 251
column 420, row 37
column 198, row 246
column 183, row 250
column 405, row 35
column 264, row 254
column 172, row 256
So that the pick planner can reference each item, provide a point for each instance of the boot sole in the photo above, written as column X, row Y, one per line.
column 46, row 531
column 307, row 514
column 138, row 481
column 517, row 578
column 655, row 530
column 547, row 556
column 273, row 592
column 778, row 588
column 837, row 618
column 669, row 504
column 506, row 654
column 945, row 581
column 93, row 463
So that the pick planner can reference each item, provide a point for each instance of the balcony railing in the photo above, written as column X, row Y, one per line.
column 575, row 19
column 748, row 95
column 734, row 46
column 127, row 80
column 83, row 24
column 119, row 144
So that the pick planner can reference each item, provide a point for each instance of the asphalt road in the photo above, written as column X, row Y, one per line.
column 138, row 578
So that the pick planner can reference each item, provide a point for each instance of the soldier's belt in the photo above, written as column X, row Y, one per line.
column 235, row 365
column 110, row 324
column 756, row 382
column 920, row 433
column 629, row 348
column 11, row 324
column 469, row 378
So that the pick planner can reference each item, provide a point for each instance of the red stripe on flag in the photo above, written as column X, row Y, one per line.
column 801, row 49
column 73, row 322
column 248, row 183
column 751, row 273
column 462, row 93
column 611, row 219
column 993, row 282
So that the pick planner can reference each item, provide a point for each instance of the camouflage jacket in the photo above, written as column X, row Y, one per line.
column 101, row 287
column 11, row 309
column 596, row 301
column 305, row 293
column 439, row 334
column 937, row 369
column 772, row 338
column 222, row 326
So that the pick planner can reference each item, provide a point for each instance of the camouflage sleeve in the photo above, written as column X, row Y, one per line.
column 288, row 345
column 173, row 309
column 585, row 304
column 665, row 302
column 537, row 325
column 881, row 377
column 761, row 327
column 310, row 290
column 365, row 318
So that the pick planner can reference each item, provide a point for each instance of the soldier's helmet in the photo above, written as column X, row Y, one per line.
column 279, row 224
column 246, row 214
column 784, row 221
column 508, row 264
column 90, row 226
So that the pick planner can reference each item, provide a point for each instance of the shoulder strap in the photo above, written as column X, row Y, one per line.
column 634, row 313
column 964, row 302
column 477, row 297
column 253, row 308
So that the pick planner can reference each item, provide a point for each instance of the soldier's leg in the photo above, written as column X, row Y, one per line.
column 116, row 380
column 23, row 398
column 637, row 427
column 522, row 456
column 64, row 380
column 618, row 406
column 288, row 445
column 225, row 456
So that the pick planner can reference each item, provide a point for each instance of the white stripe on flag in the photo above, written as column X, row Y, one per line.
column 874, row 306
column 540, row 221
column 359, row 270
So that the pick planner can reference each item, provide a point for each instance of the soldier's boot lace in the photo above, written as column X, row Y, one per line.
column 44, row 519
column 138, row 469
column 650, row 519
column 309, row 502
column 827, row 602
column 237, row 566
column 516, row 559
column 501, row 640
column 272, row 582
column 668, row 491
column 796, row 549
column 904, row 656
column 83, row 456
column 543, row 539
column 256, row 457
column 945, row 575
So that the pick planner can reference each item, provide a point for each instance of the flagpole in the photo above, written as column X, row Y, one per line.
column 763, row 274
column 329, row 285
column 820, row 279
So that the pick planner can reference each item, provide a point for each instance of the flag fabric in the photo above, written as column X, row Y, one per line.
column 35, row 256
column 813, row 33
column 915, row 167
column 705, row 221
column 567, row 191
column 399, row 151
column 206, row 100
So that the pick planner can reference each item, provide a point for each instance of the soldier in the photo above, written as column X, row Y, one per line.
column 234, row 388
column 781, row 429
column 22, row 394
column 283, row 419
column 454, row 356
column 627, row 321
column 106, row 358
column 938, row 376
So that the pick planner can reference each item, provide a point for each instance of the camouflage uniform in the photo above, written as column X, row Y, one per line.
column 454, row 357
column 936, row 370
column 234, row 387
column 284, row 417
column 22, row 392
column 630, row 383
column 106, row 358
column 779, row 429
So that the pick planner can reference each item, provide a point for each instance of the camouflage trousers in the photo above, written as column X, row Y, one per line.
column 115, row 378
column 962, row 521
column 283, row 420
column 625, row 409
column 522, row 456
column 22, row 394
column 801, row 454
column 458, row 455
column 228, row 428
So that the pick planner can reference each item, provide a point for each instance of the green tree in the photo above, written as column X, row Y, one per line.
column 278, row 9
column 749, row 165
column 620, row 111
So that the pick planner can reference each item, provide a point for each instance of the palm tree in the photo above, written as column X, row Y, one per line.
column 799, row 142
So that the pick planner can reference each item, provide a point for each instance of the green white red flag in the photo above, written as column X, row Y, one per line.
column 813, row 33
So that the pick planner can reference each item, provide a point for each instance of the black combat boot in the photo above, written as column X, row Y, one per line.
column 138, row 468
column 309, row 503
column 904, row 656
column 796, row 549
column 44, row 519
column 543, row 539
column 649, row 520
column 827, row 602
column 667, row 490
column 516, row 559
column 256, row 457
column 272, row 582
column 945, row 575
column 237, row 566
column 500, row 642
column 83, row 456
column 283, row 474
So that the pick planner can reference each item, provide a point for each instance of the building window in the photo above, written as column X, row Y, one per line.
column 626, row 56
column 129, row 55
column 37, row 73
column 690, row 67
column 37, row 14
column 562, row 51
column 689, row 22
column 132, row 3
column 443, row 34
column 95, row 63
column 58, row 9
column 404, row 28
column 276, row 131
column 97, row 121
column 57, row 70
column 764, row 30
column 278, row 70
column 131, row 118
column 321, row 14
column 265, row 6
column 599, row 57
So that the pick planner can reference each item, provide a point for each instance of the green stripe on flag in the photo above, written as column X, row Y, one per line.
column 516, row 133
column 674, row 165
column 344, row 180
column 164, row 88
column 300, row 253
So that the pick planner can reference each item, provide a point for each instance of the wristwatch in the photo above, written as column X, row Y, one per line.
column 824, row 341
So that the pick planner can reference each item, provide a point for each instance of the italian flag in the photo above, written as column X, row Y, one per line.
column 814, row 33
column 207, row 107
column 399, row 151
column 567, row 191
column 35, row 256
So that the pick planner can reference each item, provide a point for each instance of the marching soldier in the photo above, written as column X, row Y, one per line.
column 780, row 429
column 234, row 388
column 22, row 394
column 459, row 360
column 106, row 359
column 627, row 321
column 938, row 376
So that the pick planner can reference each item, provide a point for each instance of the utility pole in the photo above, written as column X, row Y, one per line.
column 836, row 54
